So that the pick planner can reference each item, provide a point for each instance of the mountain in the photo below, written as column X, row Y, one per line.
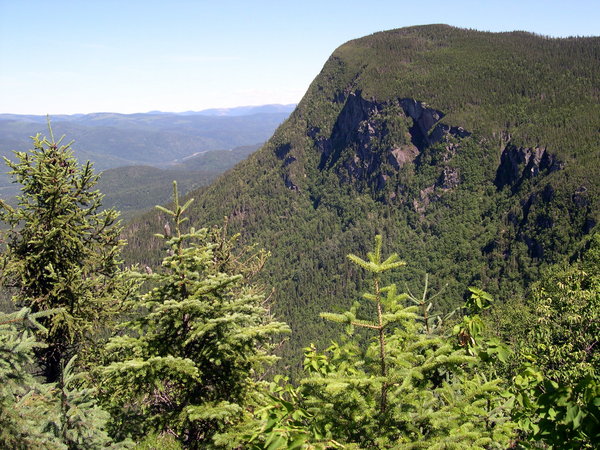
column 246, row 110
column 474, row 154
column 154, row 139
column 134, row 189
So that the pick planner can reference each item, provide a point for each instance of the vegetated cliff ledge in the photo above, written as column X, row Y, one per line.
column 383, row 137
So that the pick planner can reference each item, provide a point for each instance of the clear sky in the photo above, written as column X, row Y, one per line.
column 81, row 56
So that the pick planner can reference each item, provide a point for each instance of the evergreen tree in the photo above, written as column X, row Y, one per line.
column 62, row 252
column 187, row 362
column 22, row 398
column 37, row 415
column 410, row 387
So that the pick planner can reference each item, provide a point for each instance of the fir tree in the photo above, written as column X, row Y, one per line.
column 37, row 415
column 62, row 252
column 411, row 386
column 187, row 362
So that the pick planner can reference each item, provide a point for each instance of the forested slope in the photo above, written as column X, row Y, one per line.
column 474, row 154
column 135, row 189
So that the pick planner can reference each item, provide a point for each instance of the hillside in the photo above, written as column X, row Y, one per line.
column 153, row 139
column 475, row 154
column 135, row 189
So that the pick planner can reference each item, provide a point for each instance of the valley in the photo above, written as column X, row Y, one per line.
column 141, row 154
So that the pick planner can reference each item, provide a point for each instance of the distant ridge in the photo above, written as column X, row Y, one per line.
column 157, row 139
column 246, row 110
column 112, row 139
column 274, row 108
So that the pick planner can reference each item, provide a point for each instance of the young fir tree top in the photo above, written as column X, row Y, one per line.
column 410, row 387
column 187, row 363
column 61, row 250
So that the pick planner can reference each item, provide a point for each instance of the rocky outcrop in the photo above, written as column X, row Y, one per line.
column 402, row 155
column 518, row 164
column 289, row 183
column 282, row 150
column 354, row 127
column 425, row 197
column 423, row 120
column 449, row 179
column 362, row 126
column 423, row 132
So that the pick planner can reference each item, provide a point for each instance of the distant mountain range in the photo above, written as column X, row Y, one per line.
column 157, row 139
column 246, row 110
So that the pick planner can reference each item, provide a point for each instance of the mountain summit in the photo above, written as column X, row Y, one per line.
column 475, row 154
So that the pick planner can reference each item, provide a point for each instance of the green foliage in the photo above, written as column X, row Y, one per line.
column 82, row 422
column 34, row 415
column 283, row 422
column 559, row 415
column 187, row 362
column 472, row 331
column 348, row 162
column 61, row 251
column 163, row 441
column 20, row 393
column 558, row 387
column 409, row 386
column 566, row 302
column 435, row 200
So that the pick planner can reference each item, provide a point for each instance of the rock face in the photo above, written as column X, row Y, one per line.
column 424, row 119
column 449, row 179
column 518, row 164
column 365, row 145
column 282, row 150
column 355, row 126
column 400, row 156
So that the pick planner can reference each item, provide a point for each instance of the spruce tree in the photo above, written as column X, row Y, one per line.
column 61, row 250
column 411, row 386
column 33, row 414
column 23, row 399
column 187, row 361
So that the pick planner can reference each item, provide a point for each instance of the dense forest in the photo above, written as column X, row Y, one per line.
column 135, row 189
column 475, row 155
column 411, row 261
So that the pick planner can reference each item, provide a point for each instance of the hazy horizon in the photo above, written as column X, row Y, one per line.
column 156, row 111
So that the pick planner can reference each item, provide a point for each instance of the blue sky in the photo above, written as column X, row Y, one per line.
column 81, row 56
